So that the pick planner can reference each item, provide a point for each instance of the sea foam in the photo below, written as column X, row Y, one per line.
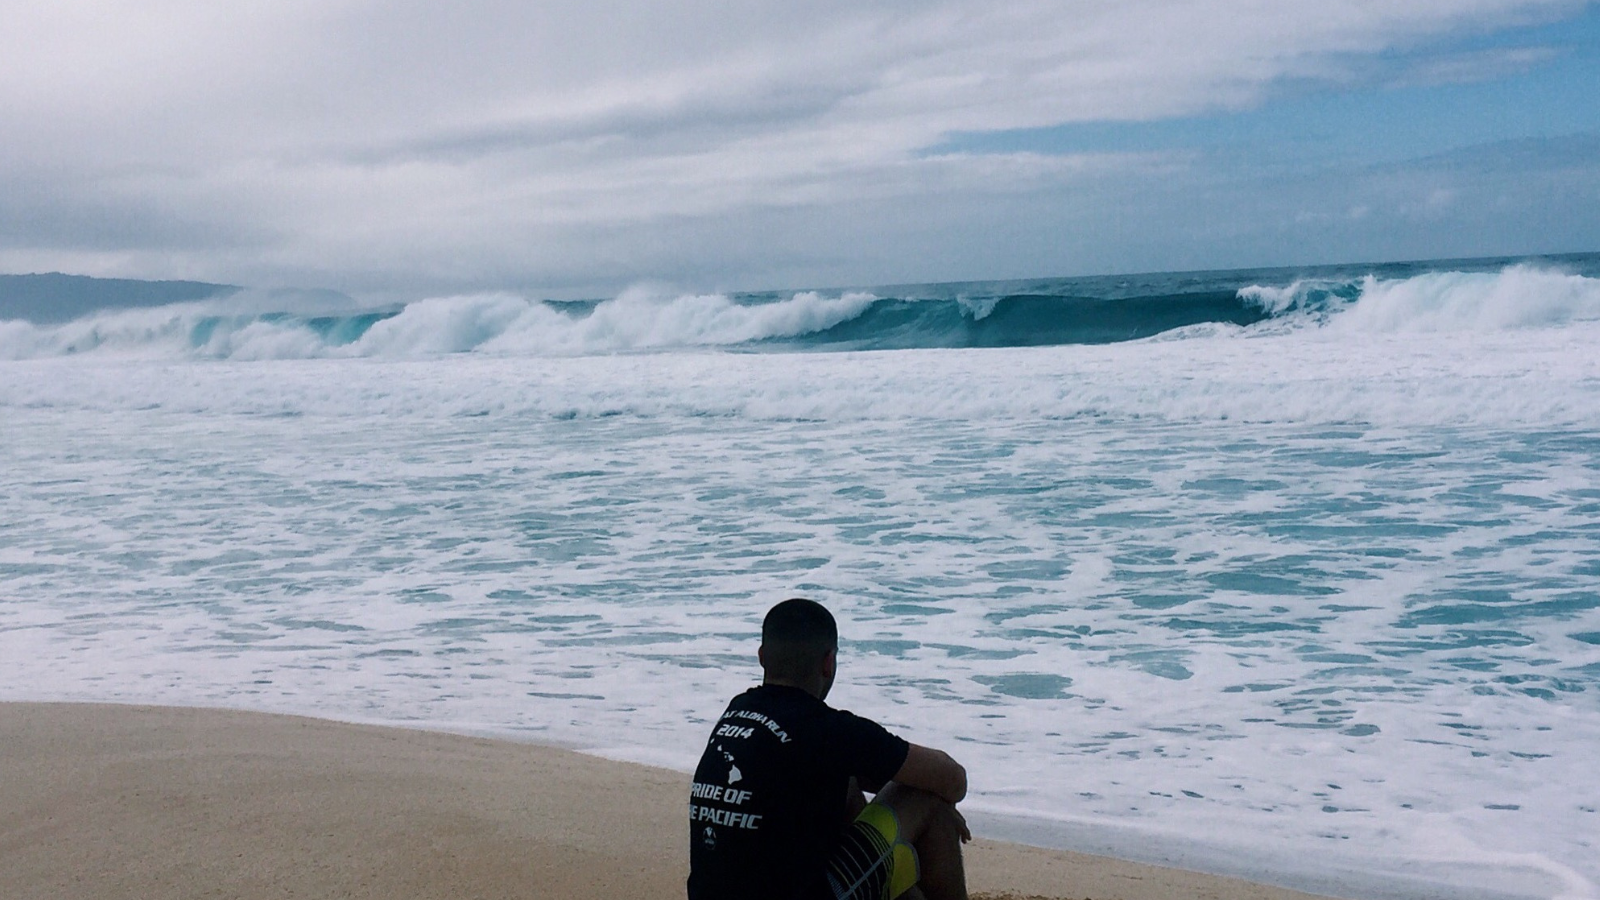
column 1297, row 598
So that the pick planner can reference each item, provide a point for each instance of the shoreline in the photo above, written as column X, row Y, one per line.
column 108, row 800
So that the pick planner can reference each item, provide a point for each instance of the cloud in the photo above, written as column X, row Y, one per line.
column 387, row 145
column 1475, row 66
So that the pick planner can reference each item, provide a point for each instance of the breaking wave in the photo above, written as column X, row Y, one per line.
column 1521, row 296
column 1050, row 313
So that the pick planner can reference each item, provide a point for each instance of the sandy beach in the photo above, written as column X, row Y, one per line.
column 104, row 801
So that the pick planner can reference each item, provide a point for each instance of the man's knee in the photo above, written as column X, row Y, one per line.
column 920, row 813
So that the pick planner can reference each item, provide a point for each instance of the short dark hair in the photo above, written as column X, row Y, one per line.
column 796, row 636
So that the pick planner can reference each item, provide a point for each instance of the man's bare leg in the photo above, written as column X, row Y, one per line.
column 937, row 831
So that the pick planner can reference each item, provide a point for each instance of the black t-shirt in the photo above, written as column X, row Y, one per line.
column 768, row 802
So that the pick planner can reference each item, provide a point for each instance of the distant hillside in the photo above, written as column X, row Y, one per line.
column 53, row 298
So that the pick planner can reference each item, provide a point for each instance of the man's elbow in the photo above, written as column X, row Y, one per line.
column 934, row 771
column 958, row 783
column 953, row 779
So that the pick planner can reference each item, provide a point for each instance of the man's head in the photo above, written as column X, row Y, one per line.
column 799, row 646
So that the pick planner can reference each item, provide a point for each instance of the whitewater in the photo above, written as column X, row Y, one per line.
column 1290, row 575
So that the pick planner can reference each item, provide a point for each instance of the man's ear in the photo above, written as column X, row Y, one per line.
column 830, row 664
column 761, row 656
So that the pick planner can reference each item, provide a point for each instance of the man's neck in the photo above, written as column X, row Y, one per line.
column 813, row 686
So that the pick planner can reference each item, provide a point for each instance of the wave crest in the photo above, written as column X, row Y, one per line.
column 1519, row 296
column 638, row 319
column 645, row 319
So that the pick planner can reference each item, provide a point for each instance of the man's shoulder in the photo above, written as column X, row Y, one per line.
column 773, row 701
column 780, row 705
column 776, row 696
column 783, row 709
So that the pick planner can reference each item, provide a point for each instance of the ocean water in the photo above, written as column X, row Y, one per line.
column 1286, row 574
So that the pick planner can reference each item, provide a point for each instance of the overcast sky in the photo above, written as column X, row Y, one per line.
column 571, row 147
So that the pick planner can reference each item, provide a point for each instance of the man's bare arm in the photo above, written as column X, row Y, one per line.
column 935, row 772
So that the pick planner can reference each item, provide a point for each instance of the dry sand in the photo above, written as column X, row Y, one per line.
column 139, row 802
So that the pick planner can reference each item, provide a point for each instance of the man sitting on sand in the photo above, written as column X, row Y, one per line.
column 777, row 809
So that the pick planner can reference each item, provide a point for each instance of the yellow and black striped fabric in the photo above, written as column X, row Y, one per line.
column 873, row 862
